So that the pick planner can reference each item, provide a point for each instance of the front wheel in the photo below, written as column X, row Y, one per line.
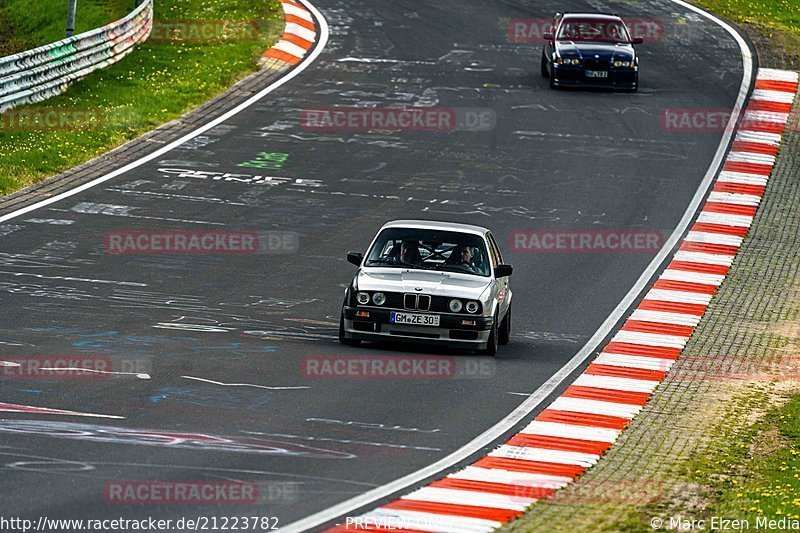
column 491, row 345
column 504, row 334
column 343, row 339
column 545, row 74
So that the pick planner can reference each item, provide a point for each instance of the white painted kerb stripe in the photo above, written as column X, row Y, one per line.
column 634, row 361
column 777, row 75
column 509, row 477
column 435, row 523
column 571, row 431
column 741, row 221
column 545, row 455
column 714, row 238
column 290, row 9
column 290, row 48
column 676, row 274
column 650, row 339
column 678, row 319
column 595, row 407
column 751, row 157
column 678, row 297
column 766, row 116
column 745, row 178
column 763, row 137
column 783, row 97
column 610, row 382
column 470, row 497
column 296, row 29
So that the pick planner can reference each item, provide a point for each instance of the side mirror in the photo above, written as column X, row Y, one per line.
column 547, row 36
column 355, row 258
column 503, row 271
column 637, row 40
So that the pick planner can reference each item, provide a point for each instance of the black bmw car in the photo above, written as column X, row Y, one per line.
column 590, row 50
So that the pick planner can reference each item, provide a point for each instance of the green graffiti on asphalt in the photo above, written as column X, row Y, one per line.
column 272, row 160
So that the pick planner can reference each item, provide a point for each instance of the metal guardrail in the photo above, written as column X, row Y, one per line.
column 38, row 74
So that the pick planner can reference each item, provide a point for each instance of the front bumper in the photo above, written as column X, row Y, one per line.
column 450, row 332
column 618, row 78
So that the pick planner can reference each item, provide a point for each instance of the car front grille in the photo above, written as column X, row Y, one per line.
column 597, row 64
column 417, row 302
column 426, row 302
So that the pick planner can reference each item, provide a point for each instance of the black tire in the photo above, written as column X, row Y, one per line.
column 492, row 344
column 545, row 74
column 343, row 336
column 553, row 82
column 504, row 333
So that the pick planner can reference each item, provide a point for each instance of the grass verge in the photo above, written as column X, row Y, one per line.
column 158, row 82
column 764, row 483
column 776, row 20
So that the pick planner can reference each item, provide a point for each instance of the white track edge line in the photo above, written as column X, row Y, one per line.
column 534, row 400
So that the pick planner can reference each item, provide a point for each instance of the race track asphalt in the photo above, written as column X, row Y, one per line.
column 552, row 160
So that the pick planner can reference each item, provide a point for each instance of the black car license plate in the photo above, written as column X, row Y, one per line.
column 597, row 74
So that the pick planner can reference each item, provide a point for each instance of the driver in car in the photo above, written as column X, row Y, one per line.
column 462, row 256
column 409, row 253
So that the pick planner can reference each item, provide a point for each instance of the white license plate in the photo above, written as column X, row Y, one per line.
column 596, row 74
column 414, row 319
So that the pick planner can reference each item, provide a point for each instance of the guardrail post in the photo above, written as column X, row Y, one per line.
column 71, row 17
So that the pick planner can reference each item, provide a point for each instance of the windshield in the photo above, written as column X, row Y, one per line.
column 430, row 250
column 605, row 31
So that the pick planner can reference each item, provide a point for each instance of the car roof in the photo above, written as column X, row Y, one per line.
column 434, row 224
column 595, row 16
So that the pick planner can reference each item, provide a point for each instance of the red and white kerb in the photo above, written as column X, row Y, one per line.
column 298, row 36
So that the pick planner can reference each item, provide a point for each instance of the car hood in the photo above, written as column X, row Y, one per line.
column 433, row 283
column 584, row 50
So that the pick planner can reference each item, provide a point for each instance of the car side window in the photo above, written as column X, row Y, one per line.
column 493, row 250
column 496, row 249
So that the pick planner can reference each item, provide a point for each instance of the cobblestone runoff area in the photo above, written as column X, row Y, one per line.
column 743, row 357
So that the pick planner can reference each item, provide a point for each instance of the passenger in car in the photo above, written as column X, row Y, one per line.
column 461, row 254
